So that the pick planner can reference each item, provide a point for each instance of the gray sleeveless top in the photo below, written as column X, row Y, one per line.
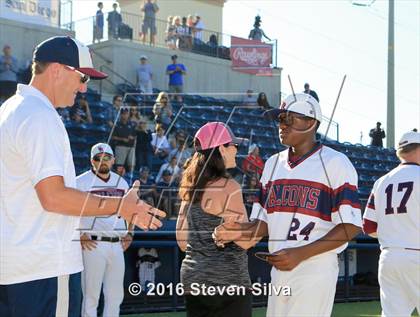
column 204, row 262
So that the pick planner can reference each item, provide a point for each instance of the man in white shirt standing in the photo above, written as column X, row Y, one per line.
column 144, row 76
column 392, row 215
column 40, row 255
column 198, row 28
column 103, row 239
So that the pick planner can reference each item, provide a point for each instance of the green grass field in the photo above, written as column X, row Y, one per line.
column 359, row 309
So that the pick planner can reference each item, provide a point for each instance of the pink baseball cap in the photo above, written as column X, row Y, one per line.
column 213, row 134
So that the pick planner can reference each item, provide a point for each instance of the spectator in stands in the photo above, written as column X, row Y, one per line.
column 98, row 31
column 114, row 110
column 144, row 76
column 181, row 153
column 198, row 29
column 213, row 41
column 147, row 186
column 8, row 73
column 310, row 92
column 123, row 138
column 166, row 191
column 160, row 144
column 144, row 148
column 377, row 134
column 262, row 101
column 170, row 33
column 250, row 192
column 180, row 137
column 176, row 71
column 162, row 110
column 173, row 167
column 82, row 107
column 149, row 20
column 114, row 22
column 190, row 24
column 257, row 33
column 178, row 28
column 135, row 116
column 253, row 163
column 249, row 100
column 183, row 31
column 79, row 115
column 120, row 170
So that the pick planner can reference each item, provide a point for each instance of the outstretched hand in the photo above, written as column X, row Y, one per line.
column 139, row 213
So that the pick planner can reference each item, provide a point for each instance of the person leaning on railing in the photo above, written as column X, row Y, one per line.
column 170, row 39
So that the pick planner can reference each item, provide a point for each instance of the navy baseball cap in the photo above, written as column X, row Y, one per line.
column 67, row 51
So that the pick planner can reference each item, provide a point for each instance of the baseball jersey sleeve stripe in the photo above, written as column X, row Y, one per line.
column 369, row 226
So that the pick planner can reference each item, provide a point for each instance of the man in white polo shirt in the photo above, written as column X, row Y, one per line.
column 40, row 257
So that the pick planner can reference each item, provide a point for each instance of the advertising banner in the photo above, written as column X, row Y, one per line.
column 44, row 12
column 250, row 56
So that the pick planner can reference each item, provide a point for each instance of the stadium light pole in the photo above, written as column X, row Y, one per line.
column 390, row 110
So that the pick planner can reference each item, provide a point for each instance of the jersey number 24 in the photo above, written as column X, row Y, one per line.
column 294, row 226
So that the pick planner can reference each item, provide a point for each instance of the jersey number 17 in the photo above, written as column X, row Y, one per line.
column 401, row 209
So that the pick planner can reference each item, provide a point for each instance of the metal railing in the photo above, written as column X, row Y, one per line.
column 206, row 42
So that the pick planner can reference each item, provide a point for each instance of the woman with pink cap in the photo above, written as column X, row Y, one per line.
column 209, row 197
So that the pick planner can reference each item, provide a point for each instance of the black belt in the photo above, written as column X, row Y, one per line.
column 106, row 239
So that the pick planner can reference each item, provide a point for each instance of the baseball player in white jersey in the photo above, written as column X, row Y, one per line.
column 103, row 239
column 393, row 216
column 148, row 262
column 309, row 208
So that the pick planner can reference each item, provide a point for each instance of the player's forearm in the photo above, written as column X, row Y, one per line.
column 338, row 236
column 69, row 201
column 251, row 234
column 255, row 229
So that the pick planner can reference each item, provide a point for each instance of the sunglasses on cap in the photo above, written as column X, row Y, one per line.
column 105, row 158
column 84, row 79
column 289, row 119
column 232, row 144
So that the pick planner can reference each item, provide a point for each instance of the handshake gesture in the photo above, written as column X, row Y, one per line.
column 137, row 212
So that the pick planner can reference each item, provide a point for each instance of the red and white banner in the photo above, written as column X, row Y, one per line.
column 250, row 56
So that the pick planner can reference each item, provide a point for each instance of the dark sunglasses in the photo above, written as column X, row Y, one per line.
column 84, row 79
column 232, row 144
column 289, row 119
column 105, row 158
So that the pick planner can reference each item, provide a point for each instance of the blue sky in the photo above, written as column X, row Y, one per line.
column 320, row 41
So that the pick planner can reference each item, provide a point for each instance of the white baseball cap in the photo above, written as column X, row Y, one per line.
column 299, row 103
column 409, row 138
column 100, row 148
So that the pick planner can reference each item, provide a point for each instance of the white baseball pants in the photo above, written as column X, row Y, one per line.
column 399, row 279
column 313, row 283
column 105, row 264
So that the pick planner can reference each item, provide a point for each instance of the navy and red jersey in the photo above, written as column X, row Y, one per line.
column 302, row 199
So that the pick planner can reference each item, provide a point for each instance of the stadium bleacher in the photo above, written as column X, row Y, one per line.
column 370, row 162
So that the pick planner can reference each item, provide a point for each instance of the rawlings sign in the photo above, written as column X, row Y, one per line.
column 250, row 56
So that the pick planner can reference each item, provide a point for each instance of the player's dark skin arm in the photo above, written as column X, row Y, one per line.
column 288, row 259
column 244, row 234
